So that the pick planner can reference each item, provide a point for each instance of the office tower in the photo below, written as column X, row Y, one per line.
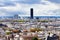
column 31, row 13
column 16, row 16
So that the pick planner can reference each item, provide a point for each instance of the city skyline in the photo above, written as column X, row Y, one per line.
column 22, row 7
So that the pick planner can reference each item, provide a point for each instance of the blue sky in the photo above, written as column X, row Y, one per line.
column 22, row 7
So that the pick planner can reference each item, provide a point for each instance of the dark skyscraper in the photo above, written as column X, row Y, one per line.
column 31, row 13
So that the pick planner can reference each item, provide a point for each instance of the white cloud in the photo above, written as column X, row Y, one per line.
column 3, row 14
column 39, row 9
column 18, row 0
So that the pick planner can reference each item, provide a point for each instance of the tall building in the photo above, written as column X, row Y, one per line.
column 16, row 16
column 31, row 13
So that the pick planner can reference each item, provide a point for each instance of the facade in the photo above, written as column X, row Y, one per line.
column 31, row 13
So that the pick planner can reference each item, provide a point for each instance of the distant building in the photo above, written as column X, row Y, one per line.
column 2, row 25
column 16, row 16
column 37, row 17
column 31, row 13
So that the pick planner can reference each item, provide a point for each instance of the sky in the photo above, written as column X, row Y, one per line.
column 22, row 7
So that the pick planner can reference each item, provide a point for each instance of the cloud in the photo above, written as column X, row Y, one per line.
column 6, row 3
column 27, row 1
column 42, row 8
column 12, row 2
column 55, row 1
